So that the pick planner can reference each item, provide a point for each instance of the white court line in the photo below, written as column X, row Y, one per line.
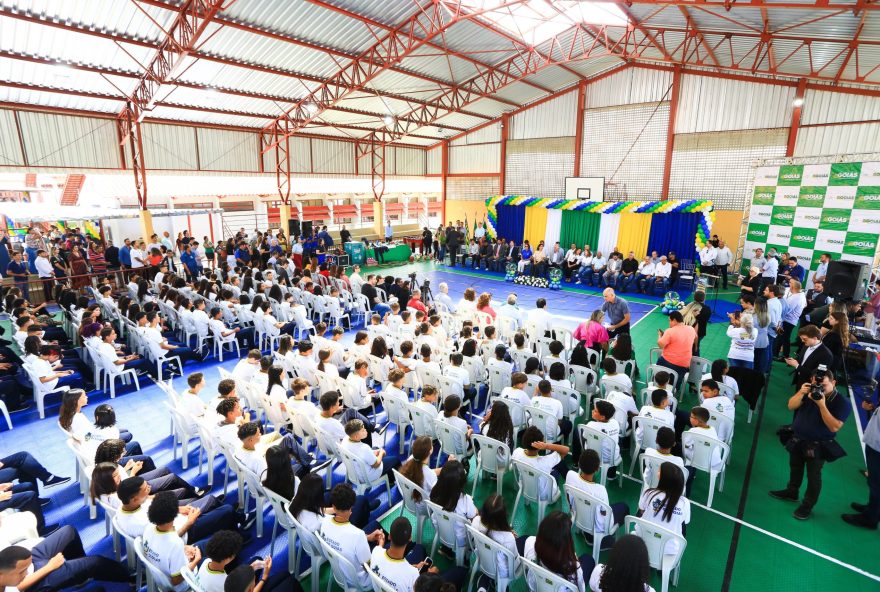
column 858, row 422
column 780, row 538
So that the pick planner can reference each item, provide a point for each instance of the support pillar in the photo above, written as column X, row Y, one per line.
column 502, row 176
column 670, row 132
column 444, row 173
column 579, row 129
column 283, row 215
column 796, row 117
column 378, row 218
column 146, row 225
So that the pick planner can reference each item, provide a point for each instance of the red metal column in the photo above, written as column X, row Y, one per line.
column 444, row 172
column 502, row 175
column 670, row 132
column 579, row 129
column 130, row 126
column 796, row 116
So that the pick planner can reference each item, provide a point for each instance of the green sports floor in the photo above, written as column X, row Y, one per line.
column 747, row 541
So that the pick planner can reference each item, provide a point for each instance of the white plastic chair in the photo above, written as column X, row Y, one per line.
column 282, row 517
column 181, row 434
column 157, row 581
column 358, row 474
column 134, row 564
column 651, row 471
column 5, row 411
column 647, row 428
column 723, row 426
column 493, row 458
column 422, row 421
column 490, row 555
column 407, row 488
column 585, row 381
column 254, row 490
column 545, row 580
column 84, row 466
column 111, row 372
column 584, row 508
column 398, row 414
column 444, row 530
column 41, row 390
column 453, row 440
column 655, row 368
column 309, row 542
column 704, row 448
column 594, row 439
column 498, row 379
column 220, row 344
column 191, row 579
column 207, row 449
column 655, row 538
column 344, row 572
column 530, row 479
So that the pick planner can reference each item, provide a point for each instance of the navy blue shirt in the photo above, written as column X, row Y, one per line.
column 18, row 268
column 808, row 424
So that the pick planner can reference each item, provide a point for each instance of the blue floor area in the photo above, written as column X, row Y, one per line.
column 144, row 414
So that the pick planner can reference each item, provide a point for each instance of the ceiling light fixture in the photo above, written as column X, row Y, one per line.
column 311, row 108
column 798, row 102
column 389, row 120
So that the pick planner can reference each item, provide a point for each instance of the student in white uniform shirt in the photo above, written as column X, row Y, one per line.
column 625, row 408
column 449, row 494
column 658, row 409
column 699, row 425
column 332, row 418
column 556, row 548
column 375, row 460
column 627, row 567
column 553, row 462
column 116, row 363
column 583, row 480
column 543, row 399
column 665, row 443
column 603, row 421
column 221, row 550
column 163, row 547
column 666, row 505
column 363, row 395
column 346, row 538
column 719, row 373
column 613, row 379
column 394, row 566
column 190, row 401
column 451, row 409
column 493, row 522
column 715, row 403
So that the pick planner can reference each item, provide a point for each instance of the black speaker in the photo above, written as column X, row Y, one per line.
column 293, row 227
column 307, row 228
column 847, row 280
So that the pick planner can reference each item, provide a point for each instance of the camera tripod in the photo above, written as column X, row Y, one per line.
column 424, row 289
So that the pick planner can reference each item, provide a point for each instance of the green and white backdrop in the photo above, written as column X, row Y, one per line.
column 810, row 209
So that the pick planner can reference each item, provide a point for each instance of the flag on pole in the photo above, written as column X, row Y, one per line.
column 465, row 228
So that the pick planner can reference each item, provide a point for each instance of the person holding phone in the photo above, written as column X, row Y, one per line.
column 394, row 565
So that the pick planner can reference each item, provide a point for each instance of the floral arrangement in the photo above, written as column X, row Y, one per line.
column 535, row 282
column 671, row 301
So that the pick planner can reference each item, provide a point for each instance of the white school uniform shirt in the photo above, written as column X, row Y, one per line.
column 729, row 381
column 721, row 405
column 597, row 575
column 254, row 460
column 135, row 522
column 164, row 550
column 463, row 507
column 398, row 574
column 623, row 405
column 210, row 580
column 350, row 542
column 332, row 426
column 109, row 354
column 366, row 454
column 670, row 458
column 244, row 370
column 43, row 368
column 598, row 491
column 502, row 537
column 552, row 406
column 620, row 380
column 687, row 445
column 362, row 399
column 611, row 428
column 458, row 374
column 544, row 463
column 530, row 554
column 649, row 504
column 664, row 415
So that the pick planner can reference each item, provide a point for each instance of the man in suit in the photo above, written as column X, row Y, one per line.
column 812, row 354
column 453, row 240
column 513, row 254
column 496, row 263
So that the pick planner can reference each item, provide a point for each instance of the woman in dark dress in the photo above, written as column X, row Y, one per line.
column 79, row 268
column 836, row 338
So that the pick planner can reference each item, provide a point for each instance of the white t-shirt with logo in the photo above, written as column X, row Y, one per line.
column 650, row 503
column 554, row 408
column 398, row 574
column 598, row 491
column 351, row 542
column 164, row 550
column 544, row 463
column 610, row 452
column 211, row 581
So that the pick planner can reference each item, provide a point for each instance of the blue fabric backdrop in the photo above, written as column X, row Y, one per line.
column 512, row 223
column 674, row 232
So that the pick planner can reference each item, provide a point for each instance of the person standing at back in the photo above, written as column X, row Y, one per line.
column 677, row 344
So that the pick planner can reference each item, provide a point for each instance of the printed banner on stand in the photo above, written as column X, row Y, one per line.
column 807, row 210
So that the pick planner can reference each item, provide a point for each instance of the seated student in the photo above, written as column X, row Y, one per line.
column 588, row 466
column 49, row 377
column 363, row 394
column 332, row 418
column 405, row 361
column 492, row 521
column 449, row 494
column 225, row 390
column 23, row 497
column 190, row 401
column 160, row 479
column 661, row 380
column 152, row 332
column 603, row 421
column 553, row 462
column 245, row 335
column 428, row 401
column 625, row 408
column 426, row 352
column 58, row 562
column 118, row 362
column 713, row 401
column 614, row 379
column 164, row 548
column 395, row 387
column 628, row 567
column 699, row 425
column 557, row 375
column 553, row 549
column 543, row 399
column 231, row 417
column 665, row 443
column 375, row 460
column 451, row 409
column 197, row 518
column 501, row 360
column 398, row 565
column 22, row 466
column 104, row 429
column 666, row 505
column 497, row 423
column 719, row 373
column 516, row 391
column 417, row 467
column 252, row 452
column 462, row 377
column 658, row 409
column 346, row 538
column 221, row 551
column 298, row 403
column 246, row 367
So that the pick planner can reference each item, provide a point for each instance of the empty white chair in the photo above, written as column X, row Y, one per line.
column 656, row 538
column 536, row 486
column 498, row 379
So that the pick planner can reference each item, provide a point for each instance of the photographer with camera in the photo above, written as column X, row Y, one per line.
column 819, row 413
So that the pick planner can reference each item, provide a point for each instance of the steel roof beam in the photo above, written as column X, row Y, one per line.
column 729, row 5
column 377, row 25
column 248, row 28
column 122, row 38
column 426, row 23
column 695, row 32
